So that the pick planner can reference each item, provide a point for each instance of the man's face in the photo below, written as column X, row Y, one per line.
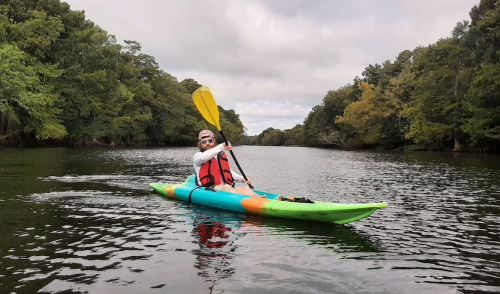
column 206, row 143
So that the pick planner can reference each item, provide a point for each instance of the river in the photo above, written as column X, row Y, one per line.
column 84, row 220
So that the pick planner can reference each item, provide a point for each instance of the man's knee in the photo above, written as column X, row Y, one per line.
column 244, row 190
column 227, row 188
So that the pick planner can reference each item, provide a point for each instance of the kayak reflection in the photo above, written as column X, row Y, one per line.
column 217, row 233
column 332, row 237
column 216, row 228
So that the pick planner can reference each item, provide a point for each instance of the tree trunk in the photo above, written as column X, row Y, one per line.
column 2, row 126
column 458, row 146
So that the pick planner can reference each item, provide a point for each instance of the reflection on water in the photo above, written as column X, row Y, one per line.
column 216, row 251
column 84, row 220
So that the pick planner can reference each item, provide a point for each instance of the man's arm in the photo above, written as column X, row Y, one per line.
column 201, row 157
column 237, row 177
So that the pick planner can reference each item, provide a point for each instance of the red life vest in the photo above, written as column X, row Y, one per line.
column 211, row 171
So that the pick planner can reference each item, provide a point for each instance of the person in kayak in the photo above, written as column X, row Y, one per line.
column 212, row 167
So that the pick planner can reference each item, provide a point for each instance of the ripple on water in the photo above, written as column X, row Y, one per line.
column 93, row 226
column 98, row 236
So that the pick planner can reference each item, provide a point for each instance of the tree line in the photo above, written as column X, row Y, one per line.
column 445, row 96
column 66, row 81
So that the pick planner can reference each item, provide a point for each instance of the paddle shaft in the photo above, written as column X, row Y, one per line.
column 234, row 158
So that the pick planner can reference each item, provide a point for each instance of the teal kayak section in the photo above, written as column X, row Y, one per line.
column 317, row 211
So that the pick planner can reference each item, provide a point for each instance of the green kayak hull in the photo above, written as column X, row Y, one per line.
column 317, row 211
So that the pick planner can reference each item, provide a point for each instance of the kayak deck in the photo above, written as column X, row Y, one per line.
column 317, row 211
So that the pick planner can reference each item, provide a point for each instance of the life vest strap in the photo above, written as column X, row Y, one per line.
column 191, row 193
column 225, row 171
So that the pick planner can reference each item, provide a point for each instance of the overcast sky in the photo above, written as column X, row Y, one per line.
column 272, row 61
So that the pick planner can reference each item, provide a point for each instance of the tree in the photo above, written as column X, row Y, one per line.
column 26, row 102
column 320, row 123
column 230, row 123
column 190, row 85
column 485, row 31
column 442, row 79
column 368, row 115
column 373, row 74
column 36, row 35
column 483, row 101
column 273, row 138
column 294, row 136
column 393, row 70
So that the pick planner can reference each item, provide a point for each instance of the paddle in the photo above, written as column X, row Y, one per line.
column 205, row 103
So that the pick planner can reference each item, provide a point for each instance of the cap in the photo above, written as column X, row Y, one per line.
column 205, row 133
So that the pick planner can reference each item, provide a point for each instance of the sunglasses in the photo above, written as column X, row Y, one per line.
column 209, row 141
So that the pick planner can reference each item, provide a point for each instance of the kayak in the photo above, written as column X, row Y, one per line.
column 317, row 211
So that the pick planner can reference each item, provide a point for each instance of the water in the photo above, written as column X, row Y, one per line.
column 85, row 221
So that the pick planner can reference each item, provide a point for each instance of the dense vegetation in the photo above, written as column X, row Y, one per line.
column 442, row 97
column 65, row 81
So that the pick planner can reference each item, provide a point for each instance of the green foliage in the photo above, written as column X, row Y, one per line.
column 319, row 127
column 273, row 138
column 483, row 102
column 294, row 136
column 65, row 79
column 190, row 85
column 27, row 104
column 369, row 115
column 442, row 77
column 231, row 125
column 429, row 134
column 485, row 32
column 37, row 33
column 373, row 74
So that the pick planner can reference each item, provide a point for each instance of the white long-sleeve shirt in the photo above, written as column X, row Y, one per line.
column 200, row 158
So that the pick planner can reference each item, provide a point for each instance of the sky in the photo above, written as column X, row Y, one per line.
column 273, row 61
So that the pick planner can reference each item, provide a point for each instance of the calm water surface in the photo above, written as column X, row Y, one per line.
column 85, row 221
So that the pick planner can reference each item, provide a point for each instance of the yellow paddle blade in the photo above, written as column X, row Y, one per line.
column 206, row 105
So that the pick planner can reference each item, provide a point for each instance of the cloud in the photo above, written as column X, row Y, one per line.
column 276, row 114
column 262, row 55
